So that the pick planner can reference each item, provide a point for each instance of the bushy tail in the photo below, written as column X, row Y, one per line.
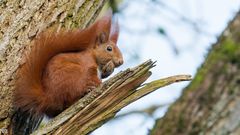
column 29, row 96
column 29, row 93
column 24, row 123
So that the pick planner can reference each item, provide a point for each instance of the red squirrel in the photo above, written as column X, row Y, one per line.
column 63, row 66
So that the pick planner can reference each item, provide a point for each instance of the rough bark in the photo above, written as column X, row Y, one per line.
column 211, row 103
column 20, row 22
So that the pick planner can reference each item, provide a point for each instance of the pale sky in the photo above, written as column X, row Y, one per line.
column 141, row 38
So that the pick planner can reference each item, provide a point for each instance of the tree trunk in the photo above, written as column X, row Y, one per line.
column 211, row 103
column 20, row 22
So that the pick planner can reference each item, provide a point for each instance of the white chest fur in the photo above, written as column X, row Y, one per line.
column 99, row 73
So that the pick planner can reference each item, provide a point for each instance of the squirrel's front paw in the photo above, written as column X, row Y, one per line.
column 107, row 69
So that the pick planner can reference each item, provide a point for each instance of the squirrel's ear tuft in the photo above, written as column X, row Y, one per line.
column 104, row 23
column 101, row 38
column 114, row 32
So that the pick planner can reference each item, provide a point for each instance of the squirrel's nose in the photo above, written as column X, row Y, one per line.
column 118, row 62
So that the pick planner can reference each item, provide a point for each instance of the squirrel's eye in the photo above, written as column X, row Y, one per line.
column 109, row 48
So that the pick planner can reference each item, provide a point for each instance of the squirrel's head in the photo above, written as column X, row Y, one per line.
column 106, row 48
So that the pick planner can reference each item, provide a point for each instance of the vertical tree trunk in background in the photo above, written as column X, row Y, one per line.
column 20, row 22
column 211, row 103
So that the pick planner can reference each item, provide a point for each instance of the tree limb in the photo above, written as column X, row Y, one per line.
column 149, row 111
column 102, row 104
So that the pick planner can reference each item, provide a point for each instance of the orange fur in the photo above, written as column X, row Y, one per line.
column 63, row 66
